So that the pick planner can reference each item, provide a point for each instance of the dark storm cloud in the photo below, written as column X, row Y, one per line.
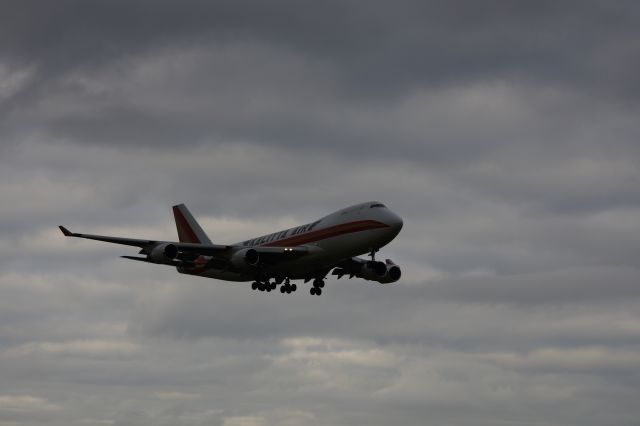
column 377, row 45
column 353, row 58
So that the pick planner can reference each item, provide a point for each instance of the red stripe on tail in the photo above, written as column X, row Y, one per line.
column 185, row 232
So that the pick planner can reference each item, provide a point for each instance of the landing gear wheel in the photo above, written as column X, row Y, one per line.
column 294, row 287
column 313, row 290
column 254, row 285
column 282, row 289
column 318, row 292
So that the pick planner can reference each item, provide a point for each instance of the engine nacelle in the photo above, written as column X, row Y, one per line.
column 163, row 253
column 372, row 271
column 381, row 272
column 394, row 273
column 245, row 257
column 384, row 273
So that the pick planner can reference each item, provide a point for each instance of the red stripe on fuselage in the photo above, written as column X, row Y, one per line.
column 323, row 234
column 309, row 237
column 181, row 221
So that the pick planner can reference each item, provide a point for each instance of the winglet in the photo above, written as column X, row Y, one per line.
column 65, row 231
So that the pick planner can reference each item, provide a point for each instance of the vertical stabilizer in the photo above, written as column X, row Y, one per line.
column 188, row 229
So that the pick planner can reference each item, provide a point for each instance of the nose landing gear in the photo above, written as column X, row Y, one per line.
column 372, row 253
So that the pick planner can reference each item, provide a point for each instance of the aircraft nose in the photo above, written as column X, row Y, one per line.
column 395, row 222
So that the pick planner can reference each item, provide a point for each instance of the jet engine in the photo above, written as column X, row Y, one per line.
column 372, row 271
column 393, row 271
column 381, row 272
column 163, row 253
column 245, row 257
column 385, row 273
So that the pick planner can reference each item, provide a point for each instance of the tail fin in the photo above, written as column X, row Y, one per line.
column 188, row 229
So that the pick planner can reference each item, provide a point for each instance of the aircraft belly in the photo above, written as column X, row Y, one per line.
column 332, row 251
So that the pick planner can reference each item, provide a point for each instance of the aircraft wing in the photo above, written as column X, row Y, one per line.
column 203, row 249
column 269, row 254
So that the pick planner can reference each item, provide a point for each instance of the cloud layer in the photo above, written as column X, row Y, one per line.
column 505, row 134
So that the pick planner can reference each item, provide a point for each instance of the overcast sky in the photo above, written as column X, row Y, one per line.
column 506, row 134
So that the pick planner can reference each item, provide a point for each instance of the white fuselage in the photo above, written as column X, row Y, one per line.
column 349, row 232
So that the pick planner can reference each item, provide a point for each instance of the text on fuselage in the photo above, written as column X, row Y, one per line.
column 266, row 239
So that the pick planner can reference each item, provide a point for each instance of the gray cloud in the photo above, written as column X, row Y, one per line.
column 503, row 133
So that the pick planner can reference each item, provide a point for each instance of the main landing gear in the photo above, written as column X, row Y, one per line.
column 316, row 290
column 287, row 287
column 263, row 285
column 268, row 286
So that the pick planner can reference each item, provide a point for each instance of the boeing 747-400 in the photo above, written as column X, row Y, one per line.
column 307, row 252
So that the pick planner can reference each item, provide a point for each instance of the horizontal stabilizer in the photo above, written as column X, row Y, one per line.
column 140, row 259
column 170, row 263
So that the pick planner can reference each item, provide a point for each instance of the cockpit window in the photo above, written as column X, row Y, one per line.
column 376, row 205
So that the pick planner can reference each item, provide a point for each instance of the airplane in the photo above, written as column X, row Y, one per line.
column 307, row 252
